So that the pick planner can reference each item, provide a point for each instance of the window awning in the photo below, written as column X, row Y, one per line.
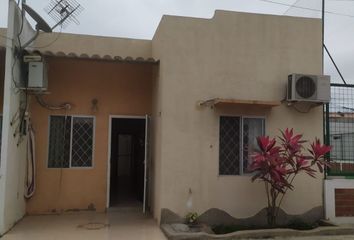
column 235, row 102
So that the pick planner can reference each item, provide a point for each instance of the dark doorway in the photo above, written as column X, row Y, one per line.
column 127, row 162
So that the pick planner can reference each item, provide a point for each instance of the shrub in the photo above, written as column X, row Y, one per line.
column 278, row 165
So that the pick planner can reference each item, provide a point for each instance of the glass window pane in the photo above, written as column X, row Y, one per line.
column 82, row 142
column 252, row 128
column 229, row 146
column 59, row 142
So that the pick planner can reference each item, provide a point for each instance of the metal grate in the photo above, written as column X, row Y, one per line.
column 340, row 129
column 82, row 142
column 229, row 149
column 70, row 141
column 59, row 142
column 305, row 87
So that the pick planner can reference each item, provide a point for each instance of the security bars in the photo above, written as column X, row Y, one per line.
column 237, row 143
column 70, row 141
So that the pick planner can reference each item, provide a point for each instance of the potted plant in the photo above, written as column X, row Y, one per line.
column 191, row 218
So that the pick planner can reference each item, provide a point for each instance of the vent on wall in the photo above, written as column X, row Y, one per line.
column 308, row 88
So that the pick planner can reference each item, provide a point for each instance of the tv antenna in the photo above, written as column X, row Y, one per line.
column 63, row 12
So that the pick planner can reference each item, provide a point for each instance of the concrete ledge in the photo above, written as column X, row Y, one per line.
column 264, row 233
column 215, row 216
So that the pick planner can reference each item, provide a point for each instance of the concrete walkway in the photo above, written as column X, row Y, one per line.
column 118, row 225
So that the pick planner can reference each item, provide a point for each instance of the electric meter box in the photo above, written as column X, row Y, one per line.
column 37, row 76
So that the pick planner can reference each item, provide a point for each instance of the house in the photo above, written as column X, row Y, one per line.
column 191, row 101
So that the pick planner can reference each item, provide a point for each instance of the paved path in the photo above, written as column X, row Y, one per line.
column 116, row 225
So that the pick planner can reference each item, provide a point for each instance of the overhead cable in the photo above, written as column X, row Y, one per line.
column 307, row 8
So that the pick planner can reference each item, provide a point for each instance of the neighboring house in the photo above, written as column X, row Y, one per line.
column 192, row 100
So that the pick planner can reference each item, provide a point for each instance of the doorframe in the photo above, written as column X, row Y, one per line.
column 111, row 117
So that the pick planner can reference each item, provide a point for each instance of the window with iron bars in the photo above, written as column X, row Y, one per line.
column 71, row 140
column 237, row 143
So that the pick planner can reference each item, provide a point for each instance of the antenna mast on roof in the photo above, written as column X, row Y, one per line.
column 63, row 12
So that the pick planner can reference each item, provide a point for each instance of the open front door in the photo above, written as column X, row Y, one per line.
column 146, row 162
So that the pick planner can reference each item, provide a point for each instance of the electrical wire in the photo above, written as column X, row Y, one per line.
column 24, row 110
column 292, row 5
column 65, row 106
column 15, row 56
column 63, row 158
column 31, row 163
column 307, row 8
column 16, row 87
column 51, row 43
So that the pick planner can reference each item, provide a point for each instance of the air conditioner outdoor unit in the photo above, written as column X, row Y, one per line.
column 309, row 88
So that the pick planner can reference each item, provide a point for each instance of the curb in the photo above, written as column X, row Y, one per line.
column 263, row 233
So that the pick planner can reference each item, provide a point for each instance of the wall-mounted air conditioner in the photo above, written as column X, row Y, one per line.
column 309, row 88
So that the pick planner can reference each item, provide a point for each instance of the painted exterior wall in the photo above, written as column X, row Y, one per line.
column 121, row 89
column 3, row 40
column 234, row 55
column 94, row 45
column 13, row 148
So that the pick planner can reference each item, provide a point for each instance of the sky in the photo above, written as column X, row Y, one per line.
column 140, row 18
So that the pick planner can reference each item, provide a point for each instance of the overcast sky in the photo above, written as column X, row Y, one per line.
column 140, row 18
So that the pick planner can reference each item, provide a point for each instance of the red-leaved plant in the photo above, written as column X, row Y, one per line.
column 278, row 165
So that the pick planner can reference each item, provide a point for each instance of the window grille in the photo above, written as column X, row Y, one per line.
column 237, row 143
column 82, row 142
column 59, row 142
column 70, row 141
column 229, row 150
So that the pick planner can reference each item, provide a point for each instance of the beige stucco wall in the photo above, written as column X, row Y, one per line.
column 121, row 89
column 2, row 39
column 93, row 45
column 234, row 55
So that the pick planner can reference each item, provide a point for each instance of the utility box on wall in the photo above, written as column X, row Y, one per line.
column 37, row 76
